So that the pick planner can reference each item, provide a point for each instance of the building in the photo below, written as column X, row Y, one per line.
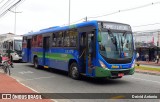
column 4, row 36
column 147, row 42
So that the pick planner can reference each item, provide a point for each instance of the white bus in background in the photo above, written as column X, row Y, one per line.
column 14, row 46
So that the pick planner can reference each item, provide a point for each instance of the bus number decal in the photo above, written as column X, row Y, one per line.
column 69, row 51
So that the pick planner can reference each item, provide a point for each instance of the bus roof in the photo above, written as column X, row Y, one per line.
column 59, row 28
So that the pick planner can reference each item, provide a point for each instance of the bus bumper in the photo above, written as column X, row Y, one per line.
column 101, row 72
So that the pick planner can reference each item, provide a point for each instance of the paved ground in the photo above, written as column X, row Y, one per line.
column 149, row 63
column 44, row 81
column 10, row 85
column 58, row 82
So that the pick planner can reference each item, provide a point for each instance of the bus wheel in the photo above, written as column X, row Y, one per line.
column 74, row 73
column 36, row 62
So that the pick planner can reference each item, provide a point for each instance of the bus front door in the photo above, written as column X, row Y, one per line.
column 87, row 52
column 28, row 50
column 46, row 46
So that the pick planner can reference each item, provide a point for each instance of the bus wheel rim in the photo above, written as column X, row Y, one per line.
column 35, row 64
column 74, row 72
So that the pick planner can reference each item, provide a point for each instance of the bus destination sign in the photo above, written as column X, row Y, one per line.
column 116, row 26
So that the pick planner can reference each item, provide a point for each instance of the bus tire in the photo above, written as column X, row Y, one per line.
column 36, row 63
column 73, row 72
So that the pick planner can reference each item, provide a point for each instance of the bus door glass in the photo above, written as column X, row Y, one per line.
column 87, row 51
column 90, row 51
column 82, row 50
column 28, row 50
column 46, row 46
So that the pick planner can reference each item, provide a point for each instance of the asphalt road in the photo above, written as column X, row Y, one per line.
column 54, row 81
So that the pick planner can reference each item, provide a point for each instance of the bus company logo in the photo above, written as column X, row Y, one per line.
column 6, row 96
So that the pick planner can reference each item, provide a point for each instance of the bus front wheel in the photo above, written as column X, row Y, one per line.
column 74, row 73
column 36, row 62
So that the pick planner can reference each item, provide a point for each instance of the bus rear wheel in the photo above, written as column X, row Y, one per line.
column 36, row 63
column 74, row 73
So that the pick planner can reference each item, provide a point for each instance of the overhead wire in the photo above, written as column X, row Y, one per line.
column 146, row 25
column 9, row 4
column 3, row 13
column 5, row 4
column 123, row 10
column 1, row 1
column 129, row 9
column 77, row 21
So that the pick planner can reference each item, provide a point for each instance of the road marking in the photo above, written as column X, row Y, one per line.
column 40, row 78
column 26, row 72
column 31, row 88
column 146, row 80
column 118, row 97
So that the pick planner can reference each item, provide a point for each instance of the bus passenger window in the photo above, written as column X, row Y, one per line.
column 54, row 40
column 59, row 42
column 39, row 42
column 66, row 39
column 73, row 38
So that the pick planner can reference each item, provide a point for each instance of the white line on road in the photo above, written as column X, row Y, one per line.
column 32, row 88
column 146, row 80
column 40, row 78
column 26, row 72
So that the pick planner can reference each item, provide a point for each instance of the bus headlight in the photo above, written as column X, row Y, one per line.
column 102, row 64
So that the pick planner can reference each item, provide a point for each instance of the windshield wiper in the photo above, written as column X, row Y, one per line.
column 113, row 38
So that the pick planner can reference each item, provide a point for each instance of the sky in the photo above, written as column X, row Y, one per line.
column 39, row 14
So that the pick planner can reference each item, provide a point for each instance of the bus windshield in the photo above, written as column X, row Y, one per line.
column 18, row 45
column 116, row 45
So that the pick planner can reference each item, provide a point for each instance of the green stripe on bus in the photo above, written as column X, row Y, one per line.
column 57, row 56
column 39, row 54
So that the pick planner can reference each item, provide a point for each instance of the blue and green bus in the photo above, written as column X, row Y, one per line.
column 94, row 48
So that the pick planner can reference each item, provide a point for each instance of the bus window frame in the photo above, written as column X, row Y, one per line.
column 63, row 32
column 50, row 39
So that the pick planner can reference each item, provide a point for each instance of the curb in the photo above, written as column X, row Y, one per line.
column 146, row 72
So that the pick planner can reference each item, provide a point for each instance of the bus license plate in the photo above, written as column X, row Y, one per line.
column 120, row 74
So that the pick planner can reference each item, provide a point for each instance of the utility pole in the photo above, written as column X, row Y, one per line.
column 69, row 12
column 85, row 19
column 15, row 19
column 158, row 43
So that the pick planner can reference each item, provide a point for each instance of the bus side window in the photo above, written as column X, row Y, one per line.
column 83, row 39
column 54, row 40
column 39, row 40
column 34, row 41
column 73, row 38
column 66, row 39
column 59, row 42
column 24, row 44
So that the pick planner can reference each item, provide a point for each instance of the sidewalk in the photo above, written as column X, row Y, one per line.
column 147, row 71
column 10, row 85
column 149, row 63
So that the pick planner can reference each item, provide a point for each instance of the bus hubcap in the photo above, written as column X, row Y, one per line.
column 74, row 72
